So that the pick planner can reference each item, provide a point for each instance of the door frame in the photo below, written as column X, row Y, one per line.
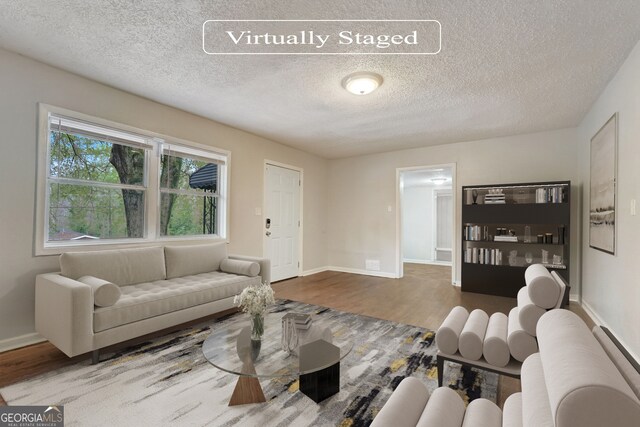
column 436, row 192
column 454, row 192
column 300, row 208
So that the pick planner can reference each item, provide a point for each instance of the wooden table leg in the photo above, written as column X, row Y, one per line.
column 248, row 389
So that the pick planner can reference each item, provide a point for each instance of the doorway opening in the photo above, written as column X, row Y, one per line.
column 426, row 216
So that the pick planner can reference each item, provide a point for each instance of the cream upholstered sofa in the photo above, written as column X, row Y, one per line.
column 105, row 297
column 500, row 343
column 578, row 379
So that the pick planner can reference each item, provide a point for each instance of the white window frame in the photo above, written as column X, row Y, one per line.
column 152, row 178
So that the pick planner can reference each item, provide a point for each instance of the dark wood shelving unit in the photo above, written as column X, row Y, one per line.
column 505, row 277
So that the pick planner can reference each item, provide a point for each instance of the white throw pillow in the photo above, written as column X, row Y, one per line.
column 105, row 294
column 238, row 266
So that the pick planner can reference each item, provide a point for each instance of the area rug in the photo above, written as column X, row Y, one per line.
column 167, row 381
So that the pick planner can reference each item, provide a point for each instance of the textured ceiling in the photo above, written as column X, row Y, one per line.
column 506, row 67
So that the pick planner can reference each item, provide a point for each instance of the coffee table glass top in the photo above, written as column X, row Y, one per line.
column 230, row 348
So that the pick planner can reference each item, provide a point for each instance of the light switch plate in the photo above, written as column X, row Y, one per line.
column 258, row 211
column 633, row 207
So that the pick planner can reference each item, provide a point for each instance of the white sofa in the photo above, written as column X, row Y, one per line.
column 146, row 290
column 578, row 379
column 500, row 343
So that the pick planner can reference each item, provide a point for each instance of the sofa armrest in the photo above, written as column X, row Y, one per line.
column 265, row 266
column 64, row 313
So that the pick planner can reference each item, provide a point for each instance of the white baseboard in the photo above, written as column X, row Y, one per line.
column 598, row 320
column 315, row 271
column 363, row 272
column 427, row 262
column 415, row 261
column 457, row 283
column 20, row 341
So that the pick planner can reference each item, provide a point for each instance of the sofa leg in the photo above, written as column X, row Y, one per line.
column 95, row 357
column 440, row 362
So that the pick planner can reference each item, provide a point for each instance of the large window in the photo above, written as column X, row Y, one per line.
column 102, row 183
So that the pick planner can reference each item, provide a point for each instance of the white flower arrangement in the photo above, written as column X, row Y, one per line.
column 255, row 299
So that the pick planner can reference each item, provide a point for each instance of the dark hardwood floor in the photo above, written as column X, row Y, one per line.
column 423, row 297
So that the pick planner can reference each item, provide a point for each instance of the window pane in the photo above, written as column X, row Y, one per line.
column 182, row 173
column 79, row 212
column 182, row 215
column 78, row 157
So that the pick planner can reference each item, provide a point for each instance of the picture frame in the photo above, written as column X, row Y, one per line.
column 603, row 174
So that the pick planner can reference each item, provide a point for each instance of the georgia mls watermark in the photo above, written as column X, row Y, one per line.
column 321, row 37
column 31, row 416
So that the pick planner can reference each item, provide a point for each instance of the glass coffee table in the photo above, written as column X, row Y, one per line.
column 317, row 364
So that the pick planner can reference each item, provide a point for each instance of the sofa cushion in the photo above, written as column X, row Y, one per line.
column 238, row 266
column 146, row 300
column 512, row 411
column 543, row 289
column 405, row 406
column 482, row 413
column 121, row 266
column 585, row 387
column 495, row 348
column 445, row 408
column 105, row 294
column 449, row 332
column 528, row 312
column 194, row 259
column 521, row 344
column 536, row 410
column 472, row 335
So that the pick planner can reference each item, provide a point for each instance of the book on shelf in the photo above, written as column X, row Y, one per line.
column 488, row 256
column 550, row 195
column 505, row 238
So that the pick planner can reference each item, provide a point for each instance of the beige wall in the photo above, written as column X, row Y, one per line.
column 611, row 284
column 362, row 188
column 24, row 83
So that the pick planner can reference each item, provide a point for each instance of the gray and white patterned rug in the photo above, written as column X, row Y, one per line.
column 167, row 381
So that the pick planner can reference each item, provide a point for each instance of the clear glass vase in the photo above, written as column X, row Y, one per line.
column 257, row 327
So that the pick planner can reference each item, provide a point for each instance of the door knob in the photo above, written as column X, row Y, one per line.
column 268, row 233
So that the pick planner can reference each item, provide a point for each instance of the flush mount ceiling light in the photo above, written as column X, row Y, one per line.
column 362, row 83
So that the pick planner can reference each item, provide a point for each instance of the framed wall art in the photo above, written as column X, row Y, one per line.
column 603, row 173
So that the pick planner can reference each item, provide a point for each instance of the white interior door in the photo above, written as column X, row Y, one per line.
column 282, row 221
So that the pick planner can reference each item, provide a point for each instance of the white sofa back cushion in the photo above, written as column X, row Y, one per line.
column 121, row 266
column 543, row 289
column 585, row 388
column 189, row 260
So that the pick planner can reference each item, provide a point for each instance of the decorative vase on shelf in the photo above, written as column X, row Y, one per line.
column 528, row 257
column 257, row 327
